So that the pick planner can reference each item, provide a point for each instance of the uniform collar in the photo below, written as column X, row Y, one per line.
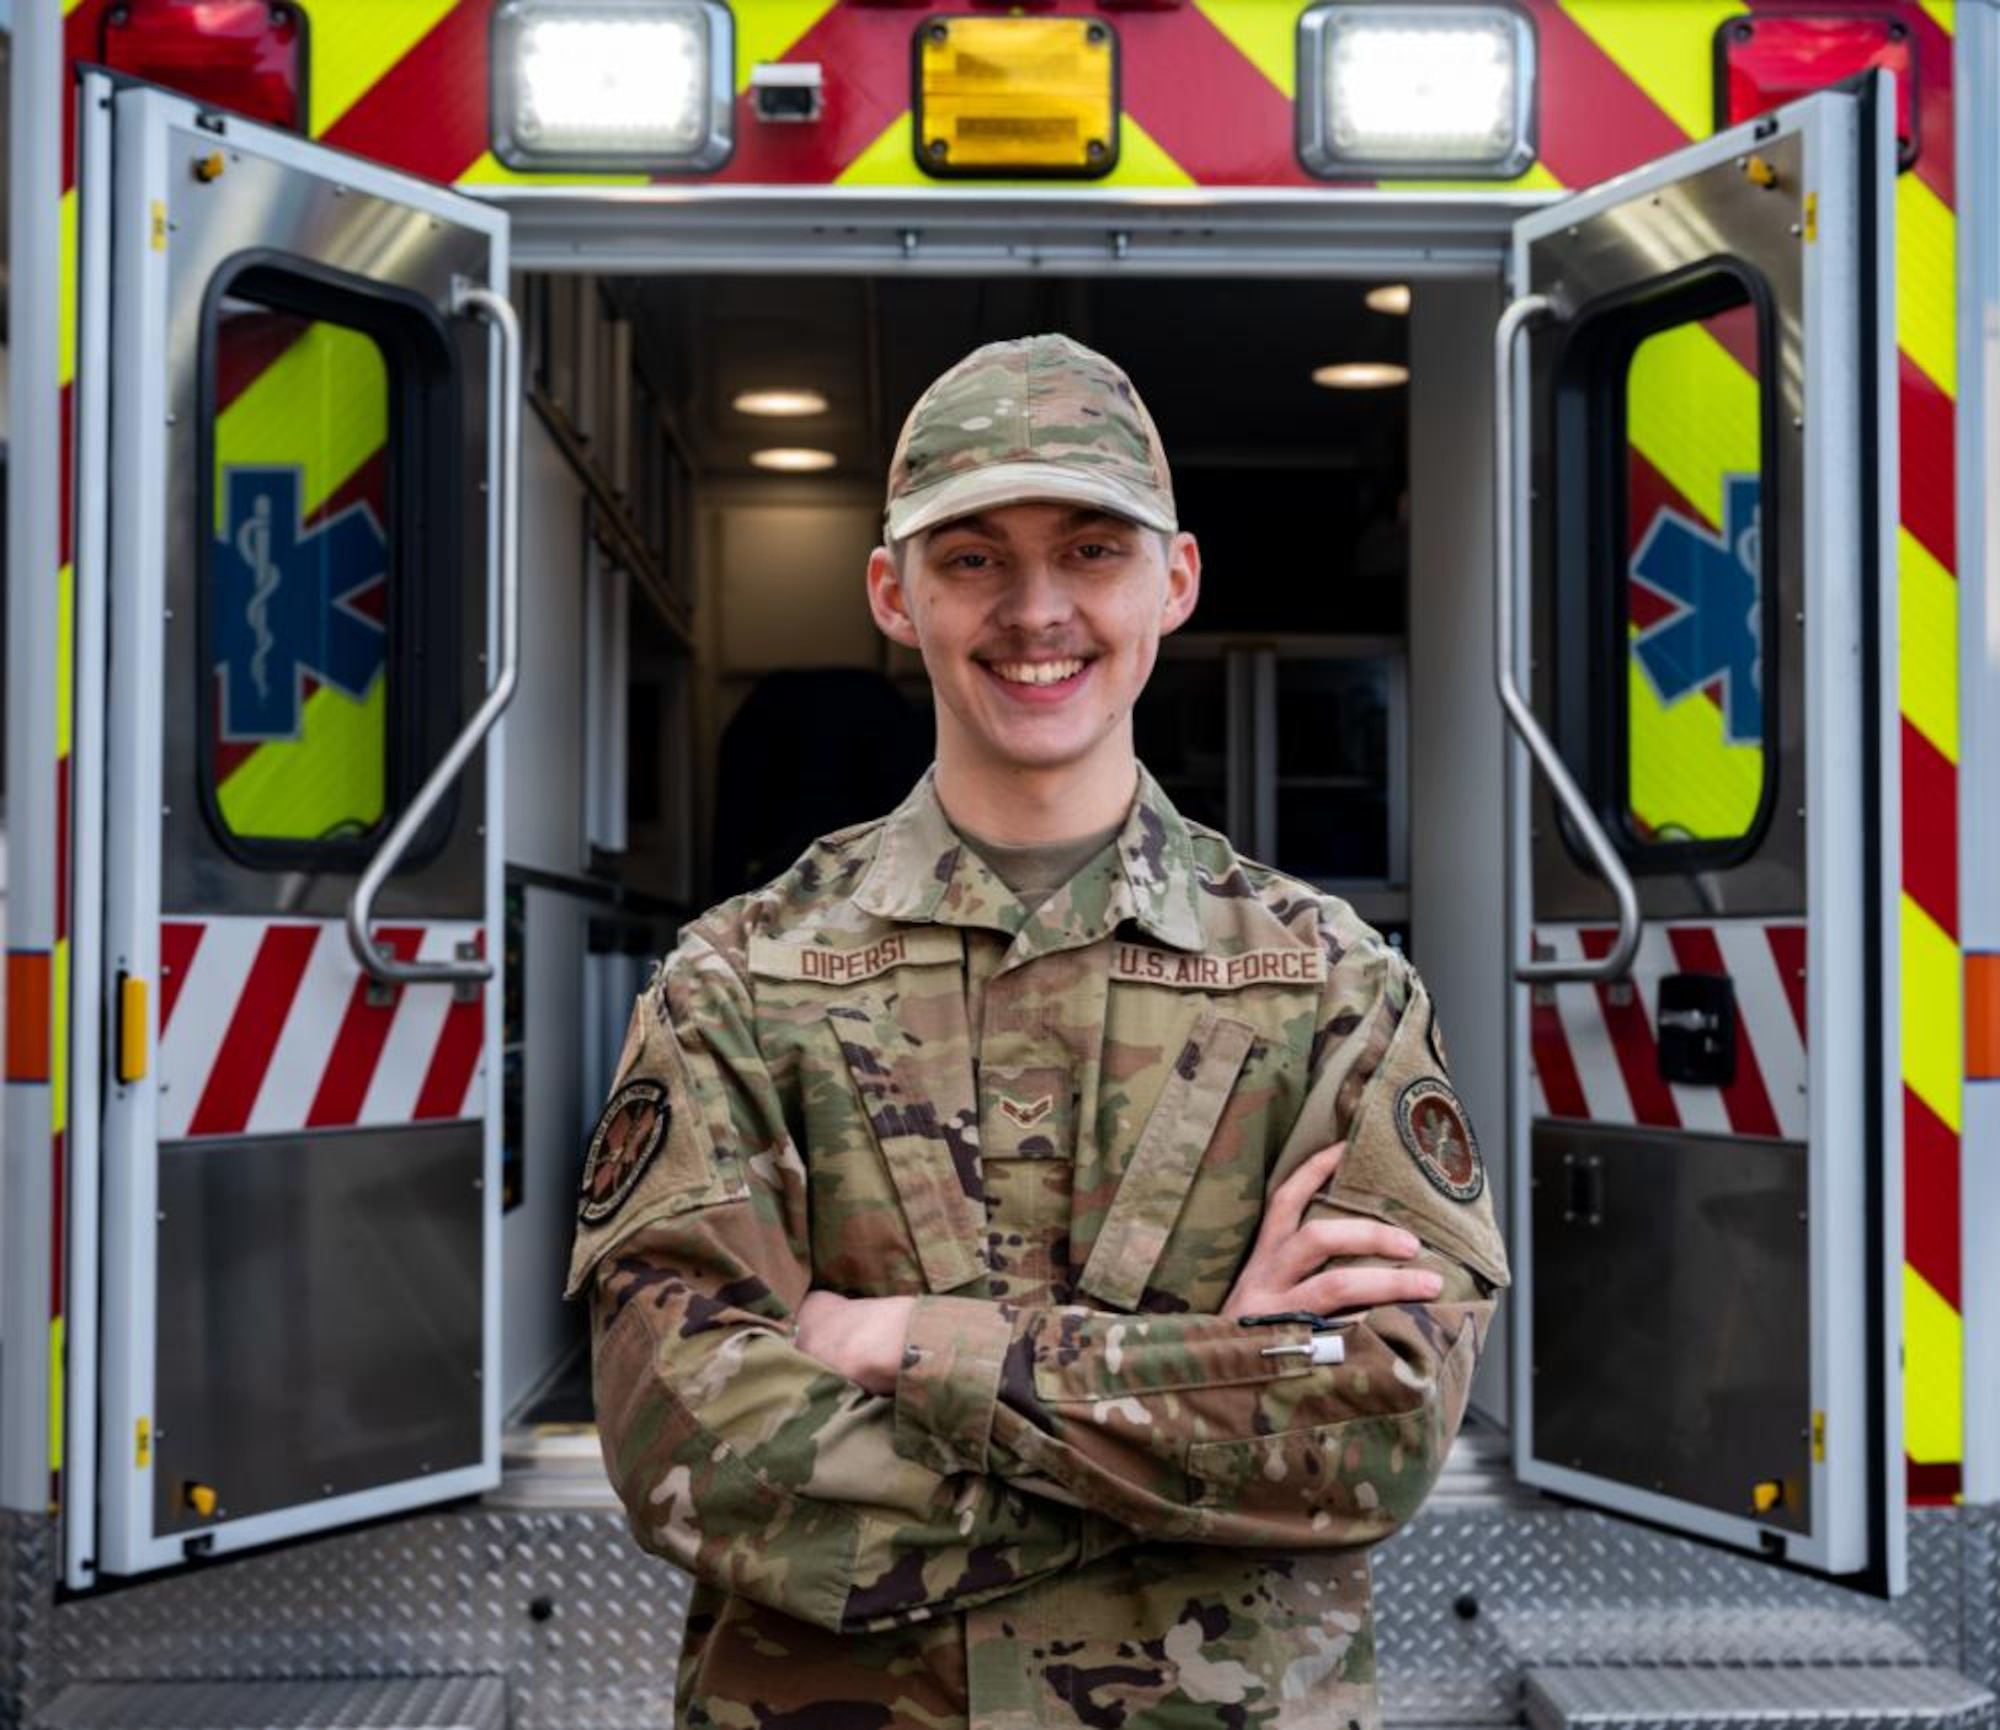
column 922, row 871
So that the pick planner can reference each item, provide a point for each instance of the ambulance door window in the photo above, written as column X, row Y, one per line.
column 1696, row 765
column 311, row 613
column 1666, row 680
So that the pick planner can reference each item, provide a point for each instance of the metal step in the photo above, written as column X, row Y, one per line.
column 1772, row 1697
column 381, row 1703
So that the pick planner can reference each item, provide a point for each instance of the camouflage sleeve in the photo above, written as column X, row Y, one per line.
column 1187, row 1426
column 736, row 1455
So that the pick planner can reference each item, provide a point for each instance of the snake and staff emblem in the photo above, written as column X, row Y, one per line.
column 253, row 545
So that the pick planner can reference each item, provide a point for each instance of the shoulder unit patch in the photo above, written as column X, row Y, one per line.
column 628, row 1136
column 1439, row 1138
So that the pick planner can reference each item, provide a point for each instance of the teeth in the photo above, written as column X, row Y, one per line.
column 1037, row 672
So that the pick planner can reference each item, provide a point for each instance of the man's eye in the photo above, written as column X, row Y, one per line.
column 1095, row 550
column 968, row 560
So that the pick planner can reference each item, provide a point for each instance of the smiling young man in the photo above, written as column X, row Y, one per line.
column 1032, row 1250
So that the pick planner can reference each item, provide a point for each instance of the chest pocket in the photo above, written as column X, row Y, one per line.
column 1155, row 1184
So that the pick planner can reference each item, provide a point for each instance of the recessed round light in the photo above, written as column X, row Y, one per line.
column 1392, row 298
column 784, row 402
column 1361, row 375
column 794, row 459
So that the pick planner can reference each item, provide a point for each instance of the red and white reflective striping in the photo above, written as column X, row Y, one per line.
column 266, row 1027
column 1596, row 1051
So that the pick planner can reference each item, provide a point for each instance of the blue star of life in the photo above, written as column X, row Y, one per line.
column 1714, row 633
column 282, row 603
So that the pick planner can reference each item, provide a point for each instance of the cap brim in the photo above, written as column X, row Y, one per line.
column 988, row 489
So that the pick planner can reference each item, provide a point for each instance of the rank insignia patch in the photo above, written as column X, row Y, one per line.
column 628, row 1135
column 1435, row 1129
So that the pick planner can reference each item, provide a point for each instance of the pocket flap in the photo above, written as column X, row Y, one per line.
column 1155, row 1185
column 921, row 1109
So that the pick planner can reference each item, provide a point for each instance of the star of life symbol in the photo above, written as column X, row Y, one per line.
column 1712, row 635
column 285, row 603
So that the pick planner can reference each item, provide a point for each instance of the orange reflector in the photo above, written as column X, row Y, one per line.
column 131, row 1028
column 28, row 1000
column 1017, row 96
column 1982, row 1017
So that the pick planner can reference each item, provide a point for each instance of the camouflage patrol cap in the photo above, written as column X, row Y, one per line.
column 1038, row 418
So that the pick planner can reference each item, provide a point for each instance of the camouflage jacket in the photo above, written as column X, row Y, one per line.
column 1092, row 1499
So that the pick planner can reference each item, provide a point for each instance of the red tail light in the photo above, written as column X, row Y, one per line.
column 1771, row 58
column 248, row 56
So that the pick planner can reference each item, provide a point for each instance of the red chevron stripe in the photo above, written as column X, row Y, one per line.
column 1746, row 1099
column 1930, row 829
column 452, row 1063
column 1595, row 122
column 261, row 1007
column 1788, row 949
column 1632, row 1040
column 428, row 113
column 1929, row 483
column 179, row 939
column 1555, row 1064
column 357, row 1047
column 1930, row 1176
column 1205, row 103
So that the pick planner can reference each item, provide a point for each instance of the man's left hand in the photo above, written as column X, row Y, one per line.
column 859, row 1338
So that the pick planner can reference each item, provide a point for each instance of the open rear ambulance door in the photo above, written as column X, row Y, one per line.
column 296, row 542
column 1698, row 655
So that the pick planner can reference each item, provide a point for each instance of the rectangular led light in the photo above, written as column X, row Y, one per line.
column 613, row 84
column 1016, row 96
column 1416, row 90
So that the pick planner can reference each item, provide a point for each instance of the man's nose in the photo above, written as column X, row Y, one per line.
column 1037, row 598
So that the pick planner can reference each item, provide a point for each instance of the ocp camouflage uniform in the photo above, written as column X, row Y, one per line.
column 1091, row 1500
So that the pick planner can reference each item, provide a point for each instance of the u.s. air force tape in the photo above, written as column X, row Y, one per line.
column 628, row 1135
column 1439, row 1137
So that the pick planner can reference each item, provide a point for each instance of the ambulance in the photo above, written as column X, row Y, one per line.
column 445, row 439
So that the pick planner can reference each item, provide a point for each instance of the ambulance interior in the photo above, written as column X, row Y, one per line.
column 702, row 615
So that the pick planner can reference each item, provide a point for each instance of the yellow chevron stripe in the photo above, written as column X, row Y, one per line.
column 1665, row 50
column 1265, row 35
column 66, row 308
column 65, row 657
column 1939, row 12
column 1933, row 1014
column 1933, row 1370
column 328, row 778
column 890, row 161
column 1927, row 643
column 489, row 170
column 1692, row 413
column 322, row 405
column 56, row 1401
column 355, row 43
column 767, row 29
column 1926, row 265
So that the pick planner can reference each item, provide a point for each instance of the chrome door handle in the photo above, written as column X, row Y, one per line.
column 1617, row 961
column 466, row 297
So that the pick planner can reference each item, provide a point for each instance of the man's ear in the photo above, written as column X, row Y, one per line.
column 888, row 600
column 1183, row 581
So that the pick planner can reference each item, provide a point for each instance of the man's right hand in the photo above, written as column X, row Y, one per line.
column 1284, row 1272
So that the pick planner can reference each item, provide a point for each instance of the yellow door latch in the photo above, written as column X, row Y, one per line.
column 1767, row 1495
column 202, row 1499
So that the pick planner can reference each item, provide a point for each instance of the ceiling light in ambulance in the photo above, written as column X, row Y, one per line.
column 1361, row 375
column 793, row 460
column 1763, row 62
column 1392, row 298
column 613, row 84
column 247, row 56
column 1413, row 90
column 1016, row 96
column 783, row 403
